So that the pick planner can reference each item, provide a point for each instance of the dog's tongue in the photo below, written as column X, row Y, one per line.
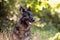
column 29, row 22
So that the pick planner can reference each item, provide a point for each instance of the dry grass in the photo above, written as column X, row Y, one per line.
column 4, row 36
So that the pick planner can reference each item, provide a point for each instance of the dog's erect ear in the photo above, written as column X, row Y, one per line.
column 21, row 10
column 28, row 9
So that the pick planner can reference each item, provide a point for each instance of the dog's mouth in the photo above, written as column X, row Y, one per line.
column 28, row 21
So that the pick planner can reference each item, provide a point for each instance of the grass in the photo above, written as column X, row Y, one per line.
column 37, row 33
column 42, row 33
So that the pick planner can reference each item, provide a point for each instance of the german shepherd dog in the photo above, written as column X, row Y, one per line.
column 22, row 29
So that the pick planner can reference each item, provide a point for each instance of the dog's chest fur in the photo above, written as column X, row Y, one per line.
column 22, row 31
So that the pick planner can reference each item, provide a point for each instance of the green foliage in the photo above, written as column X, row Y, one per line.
column 5, row 13
column 47, row 17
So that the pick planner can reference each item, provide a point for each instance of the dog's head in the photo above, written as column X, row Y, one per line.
column 26, row 16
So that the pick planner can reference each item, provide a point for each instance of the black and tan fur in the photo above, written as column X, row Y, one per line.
column 22, row 29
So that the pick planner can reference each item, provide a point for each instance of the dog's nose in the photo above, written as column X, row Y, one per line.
column 33, row 20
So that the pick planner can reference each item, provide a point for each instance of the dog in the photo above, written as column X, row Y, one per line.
column 21, row 30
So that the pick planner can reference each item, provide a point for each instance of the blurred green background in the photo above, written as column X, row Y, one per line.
column 45, row 12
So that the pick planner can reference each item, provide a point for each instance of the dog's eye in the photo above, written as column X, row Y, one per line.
column 28, row 14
